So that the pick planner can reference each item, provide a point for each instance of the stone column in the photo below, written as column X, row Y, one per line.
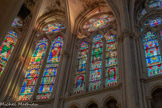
column 8, row 11
column 103, row 63
column 129, row 75
column 11, row 80
column 64, row 73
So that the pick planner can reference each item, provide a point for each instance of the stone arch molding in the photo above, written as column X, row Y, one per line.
column 152, row 89
column 90, row 101
column 80, row 19
column 109, row 97
column 74, row 104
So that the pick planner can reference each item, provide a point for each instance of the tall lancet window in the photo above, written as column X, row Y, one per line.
column 80, row 75
column 111, row 60
column 152, row 36
column 6, row 49
column 33, row 70
column 48, row 79
column 8, row 44
column 152, row 53
column 96, row 63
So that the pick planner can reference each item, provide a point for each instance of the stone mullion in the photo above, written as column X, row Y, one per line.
column 119, row 60
column 159, row 42
column 143, row 57
column 73, row 69
column 88, row 66
column 103, row 64
column 37, row 85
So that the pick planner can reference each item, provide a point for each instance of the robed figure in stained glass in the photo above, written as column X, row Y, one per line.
column 6, row 49
column 48, row 79
column 79, row 84
column 80, row 80
column 97, row 51
column 55, row 53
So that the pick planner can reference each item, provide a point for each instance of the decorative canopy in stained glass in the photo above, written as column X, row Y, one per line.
column 98, row 22
column 80, row 75
column 33, row 70
column 53, row 28
column 153, row 22
column 152, row 54
column 48, row 79
column 16, row 22
column 6, row 49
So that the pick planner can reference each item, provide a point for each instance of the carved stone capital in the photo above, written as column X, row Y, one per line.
column 127, row 33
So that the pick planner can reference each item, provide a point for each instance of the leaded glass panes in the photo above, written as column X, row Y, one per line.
column 53, row 28
column 96, row 63
column 33, row 70
column 143, row 12
column 155, row 3
column 16, row 22
column 98, row 22
column 152, row 54
column 80, row 75
column 111, row 60
column 49, row 75
column 153, row 22
column 6, row 49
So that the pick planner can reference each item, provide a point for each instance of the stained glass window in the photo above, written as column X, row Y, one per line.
column 80, row 75
column 33, row 70
column 152, row 54
column 54, row 28
column 96, row 63
column 49, row 75
column 6, row 49
column 111, row 60
column 153, row 22
column 155, row 3
column 98, row 22
column 143, row 12
column 16, row 22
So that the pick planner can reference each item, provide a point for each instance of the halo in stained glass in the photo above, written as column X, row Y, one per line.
column 53, row 28
column 98, row 22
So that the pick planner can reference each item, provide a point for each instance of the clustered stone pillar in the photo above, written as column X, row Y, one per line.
column 8, row 11
column 128, row 69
